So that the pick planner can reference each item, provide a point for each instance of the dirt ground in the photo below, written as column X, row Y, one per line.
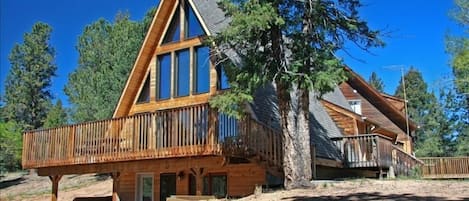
column 24, row 187
column 371, row 189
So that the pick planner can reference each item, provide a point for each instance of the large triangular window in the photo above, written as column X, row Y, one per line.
column 188, row 20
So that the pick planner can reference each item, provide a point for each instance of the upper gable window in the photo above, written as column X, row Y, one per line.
column 356, row 106
column 188, row 20
column 173, row 33
column 193, row 26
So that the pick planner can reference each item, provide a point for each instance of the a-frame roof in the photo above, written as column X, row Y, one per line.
column 380, row 102
column 210, row 16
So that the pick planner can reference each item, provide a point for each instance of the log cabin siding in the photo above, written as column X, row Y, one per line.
column 345, row 123
column 368, row 109
column 241, row 178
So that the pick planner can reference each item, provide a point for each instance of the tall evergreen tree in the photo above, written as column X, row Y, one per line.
column 28, row 96
column 56, row 117
column 290, row 43
column 458, row 116
column 458, row 47
column 107, row 53
column 376, row 82
column 457, row 99
column 425, row 110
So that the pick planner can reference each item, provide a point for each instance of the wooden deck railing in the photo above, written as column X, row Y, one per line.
column 188, row 131
column 256, row 139
column 445, row 167
column 374, row 151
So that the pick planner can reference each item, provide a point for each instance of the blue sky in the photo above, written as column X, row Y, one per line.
column 417, row 29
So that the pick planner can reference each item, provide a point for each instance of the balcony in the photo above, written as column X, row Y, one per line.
column 374, row 151
column 181, row 132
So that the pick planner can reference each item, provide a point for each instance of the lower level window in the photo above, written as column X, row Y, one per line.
column 145, row 187
column 215, row 184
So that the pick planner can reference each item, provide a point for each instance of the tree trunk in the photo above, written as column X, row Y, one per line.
column 294, row 112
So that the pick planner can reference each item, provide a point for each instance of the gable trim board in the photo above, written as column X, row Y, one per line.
column 143, row 59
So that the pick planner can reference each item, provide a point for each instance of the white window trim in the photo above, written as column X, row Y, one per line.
column 358, row 108
column 138, row 185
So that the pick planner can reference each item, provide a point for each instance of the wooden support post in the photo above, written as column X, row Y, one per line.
column 313, row 161
column 55, row 186
column 212, row 130
column 199, row 179
column 115, row 185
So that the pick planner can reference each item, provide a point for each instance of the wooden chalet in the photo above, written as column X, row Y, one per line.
column 164, row 139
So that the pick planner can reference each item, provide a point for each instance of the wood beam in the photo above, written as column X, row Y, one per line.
column 199, row 179
column 115, row 185
column 55, row 186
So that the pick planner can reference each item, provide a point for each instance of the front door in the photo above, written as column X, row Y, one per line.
column 167, row 185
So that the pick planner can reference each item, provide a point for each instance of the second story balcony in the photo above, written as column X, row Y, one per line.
column 181, row 132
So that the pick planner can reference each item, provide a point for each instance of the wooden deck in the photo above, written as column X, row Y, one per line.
column 182, row 132
column 374, row 151
column 445, row 167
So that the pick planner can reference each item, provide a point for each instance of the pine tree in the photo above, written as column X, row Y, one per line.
column 28, row 96
column 458, row 135
column 289, row 43
column 107, row 52
column 56, row 116
column 457, row 99
column 458, row 47
column 425, row 110
column 376, row 82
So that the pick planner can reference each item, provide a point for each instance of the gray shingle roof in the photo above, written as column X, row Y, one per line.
column 265, row 105
column 213, row 16
column 337, row 98
column 322, row 127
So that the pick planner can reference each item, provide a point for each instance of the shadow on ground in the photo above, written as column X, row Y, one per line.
column 366, row 197
column 12, row 182
column 107, row 198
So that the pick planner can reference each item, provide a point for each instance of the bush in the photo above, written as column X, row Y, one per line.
column 10, row 147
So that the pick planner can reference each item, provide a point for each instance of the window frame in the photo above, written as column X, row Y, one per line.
column 195, row 69
column 210, row 182
column 176, row 73
column 220, row 73
column 159, row 77
column 139, row 185
column 357, row 106
column 148, row 100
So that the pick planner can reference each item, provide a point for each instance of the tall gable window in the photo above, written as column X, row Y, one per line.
column 183, row 66
column 164, row 76
column 202, row 69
